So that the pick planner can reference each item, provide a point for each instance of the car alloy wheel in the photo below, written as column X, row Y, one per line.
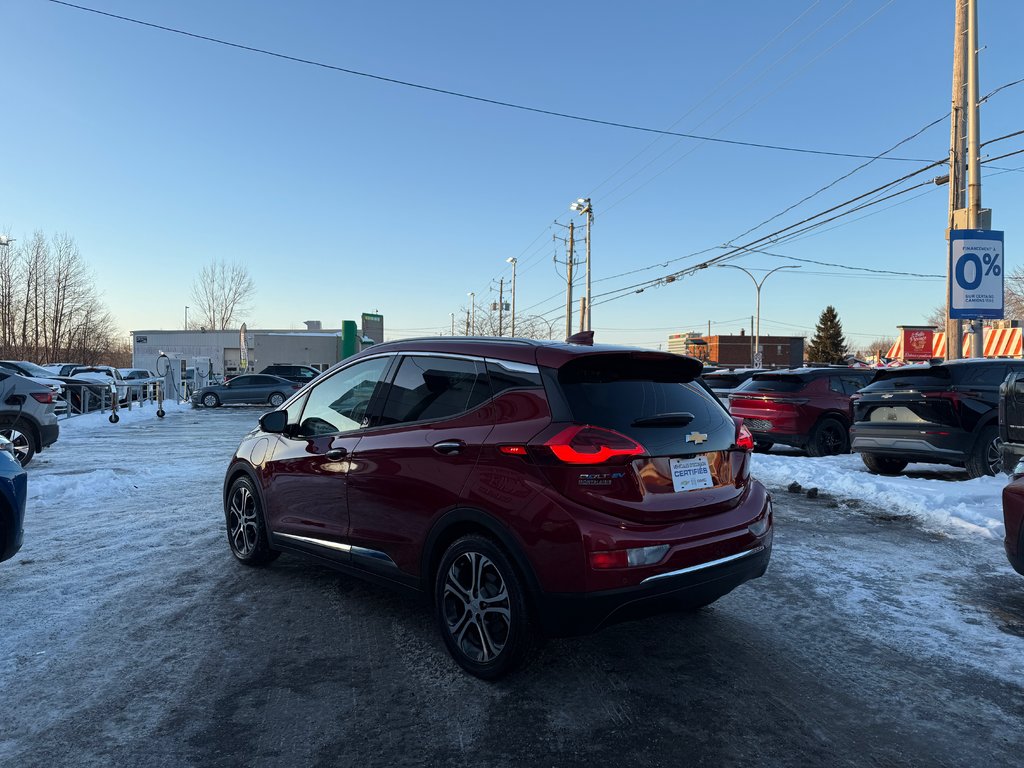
column 242, row 526
column 995, row 456
column 476, row 607
column 22, row 443
column 481, row 609
column 276, row 399
column 243, row 515
column 210, row 401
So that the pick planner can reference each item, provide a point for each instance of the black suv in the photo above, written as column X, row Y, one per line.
column 1011, row 419
column 944, row 413
column 300, row 374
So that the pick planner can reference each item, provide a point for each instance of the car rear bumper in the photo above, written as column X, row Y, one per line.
column 942, row 445
column 575, row 614
column 48, row 434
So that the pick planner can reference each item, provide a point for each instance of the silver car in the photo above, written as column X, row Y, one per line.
column 27, row 416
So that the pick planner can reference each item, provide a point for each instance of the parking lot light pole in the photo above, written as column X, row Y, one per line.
column 583, row 206
column 472, row 313
column 757, row 287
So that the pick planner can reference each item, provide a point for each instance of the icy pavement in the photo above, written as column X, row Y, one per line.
column 940, row 497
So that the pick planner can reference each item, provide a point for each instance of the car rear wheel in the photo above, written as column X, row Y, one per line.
column 480, row 607
column 276, row 399
column 210, row 400
column 986, row 456
column 23, row 441
column 829, row 437
column 883, row 465
column 247, row 529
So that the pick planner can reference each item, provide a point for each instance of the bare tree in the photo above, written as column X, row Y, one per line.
column 222, row 293
column 527, row 326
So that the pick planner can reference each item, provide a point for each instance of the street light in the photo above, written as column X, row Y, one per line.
column 5, row 240
column 186, row 317
column 453, row 322
column 757, row 286
column 513, row 261
column 583, row 206
column 471, row 325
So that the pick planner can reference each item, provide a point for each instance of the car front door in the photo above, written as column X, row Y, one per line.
column 413, row 463
column 306, row 478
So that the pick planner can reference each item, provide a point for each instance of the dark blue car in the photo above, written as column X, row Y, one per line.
column 13, row 489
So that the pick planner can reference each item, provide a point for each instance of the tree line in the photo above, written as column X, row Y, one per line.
column 50, row 307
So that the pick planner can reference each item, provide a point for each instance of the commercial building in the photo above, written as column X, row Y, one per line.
column 315, row 346
column 738, row 350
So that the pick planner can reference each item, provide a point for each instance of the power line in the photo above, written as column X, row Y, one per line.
column 471, row 97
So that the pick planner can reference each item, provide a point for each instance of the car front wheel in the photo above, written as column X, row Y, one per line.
column 481, row 610
column 211, row 400
column 247, row 528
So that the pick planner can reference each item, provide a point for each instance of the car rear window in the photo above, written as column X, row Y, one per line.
column 914, row 377
column 774, row 382
column 614, row 393
column 724, row 380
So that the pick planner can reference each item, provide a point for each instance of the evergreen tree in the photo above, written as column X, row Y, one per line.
column 828, row 344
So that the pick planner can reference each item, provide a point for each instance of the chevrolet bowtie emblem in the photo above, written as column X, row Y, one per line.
column 696, row 438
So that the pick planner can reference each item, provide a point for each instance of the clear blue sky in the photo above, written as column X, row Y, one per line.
column 343, row 194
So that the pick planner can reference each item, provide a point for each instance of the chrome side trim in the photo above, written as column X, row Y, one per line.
column 373, row 554
column 318, row 542
column 508, row 365
column 702, row 566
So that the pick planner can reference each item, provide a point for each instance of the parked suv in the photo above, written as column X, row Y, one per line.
column 12, row 501
column 943, row 413
column 806, row 408
column 300, row 374
column 521, row 486
column 27, row 415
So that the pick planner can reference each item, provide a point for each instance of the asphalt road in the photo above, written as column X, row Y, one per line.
column 134, row 639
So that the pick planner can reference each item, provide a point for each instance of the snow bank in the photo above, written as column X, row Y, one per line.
column 941, row 497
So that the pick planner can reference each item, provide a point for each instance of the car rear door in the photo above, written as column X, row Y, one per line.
column 412, row 464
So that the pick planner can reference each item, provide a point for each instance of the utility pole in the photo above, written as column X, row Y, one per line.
column 583, row 313
column 568, row 285
column 513, row 261
column 453, row 322
column 471, row 325
column 957, row 156
column 973, row 160
column 501, row 307
column 467, row 321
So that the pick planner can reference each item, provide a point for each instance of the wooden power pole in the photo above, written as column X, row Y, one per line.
column 957, row 164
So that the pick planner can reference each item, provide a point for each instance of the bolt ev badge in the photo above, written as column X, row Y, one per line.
column 696, row 438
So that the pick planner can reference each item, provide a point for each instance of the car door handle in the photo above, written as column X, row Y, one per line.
column 449, row 447
column 336, row 454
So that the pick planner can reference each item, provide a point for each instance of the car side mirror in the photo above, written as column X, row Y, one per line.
column 275, row 422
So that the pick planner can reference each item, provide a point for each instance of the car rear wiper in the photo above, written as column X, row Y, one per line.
column 665, row 420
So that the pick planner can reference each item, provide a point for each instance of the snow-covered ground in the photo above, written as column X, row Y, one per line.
column 940, row 497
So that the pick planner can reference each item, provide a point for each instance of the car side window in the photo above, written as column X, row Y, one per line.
column 505, row 375
column 430, row 388
column 339, row 403
column 835, row 383
column 985, row 375
column 243, row 381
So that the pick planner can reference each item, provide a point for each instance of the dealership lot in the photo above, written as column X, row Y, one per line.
column 130, row 636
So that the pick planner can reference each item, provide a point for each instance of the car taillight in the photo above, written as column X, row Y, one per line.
column 592, row 445
column 744, row 439
column 628, row 558
column 43, row 397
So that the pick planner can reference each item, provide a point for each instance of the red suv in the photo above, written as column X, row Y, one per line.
column 521, row 486
column 807, row 408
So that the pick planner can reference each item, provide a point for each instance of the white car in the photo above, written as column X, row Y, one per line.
column 105, row 374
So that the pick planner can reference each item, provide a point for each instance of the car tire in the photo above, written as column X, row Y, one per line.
column 276, row 399
column 246, row 526
column 210, row 400
column 883, row 465
column 481, row 609
column 762, row 446
column 830, row 437
column 25, row 445
column 986, row 456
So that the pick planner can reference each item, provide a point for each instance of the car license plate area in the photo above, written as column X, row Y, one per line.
column 690, row 474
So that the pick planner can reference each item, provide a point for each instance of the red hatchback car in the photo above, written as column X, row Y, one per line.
column 807, row 408
column 524, row 487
